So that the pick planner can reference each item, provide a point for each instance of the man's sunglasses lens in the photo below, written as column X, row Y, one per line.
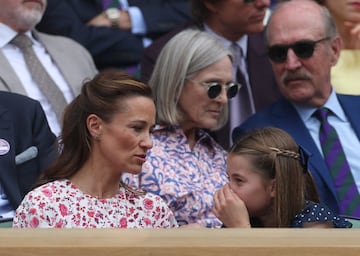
column 304, row 50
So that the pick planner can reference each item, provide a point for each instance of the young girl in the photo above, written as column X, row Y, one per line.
column 270, row 185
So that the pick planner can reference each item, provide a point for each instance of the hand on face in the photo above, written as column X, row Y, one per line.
column 354, row 29
column 230, row 209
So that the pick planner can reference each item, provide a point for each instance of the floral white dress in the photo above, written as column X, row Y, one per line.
column 60, row 204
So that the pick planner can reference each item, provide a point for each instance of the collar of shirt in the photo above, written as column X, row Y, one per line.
column 242, row 42
column 203, row 137
column 7, row 34
column 332, row 103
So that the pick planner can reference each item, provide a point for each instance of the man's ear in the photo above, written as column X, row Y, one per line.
column 94, row 124
column 211, row 6
column 336, row 46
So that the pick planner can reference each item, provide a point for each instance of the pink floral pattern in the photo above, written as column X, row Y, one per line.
column 185, row 178
column 60, row 204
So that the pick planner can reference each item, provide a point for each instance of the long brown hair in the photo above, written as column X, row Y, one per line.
column 102, row 96
column 275, row 155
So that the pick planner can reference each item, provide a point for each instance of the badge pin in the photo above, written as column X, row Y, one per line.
column 4, row 147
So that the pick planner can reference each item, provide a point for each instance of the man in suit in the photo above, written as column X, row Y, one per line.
column 27, row 147
column 118, row 40
column 239, row 22
column 303, row 49
column 67, row 62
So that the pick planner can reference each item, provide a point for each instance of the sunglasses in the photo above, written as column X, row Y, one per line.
column 303, row 49
column 214, row 88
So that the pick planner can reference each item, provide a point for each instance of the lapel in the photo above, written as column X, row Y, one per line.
column 349, row 104
column 287, row 118
column 262, row 80
column 8, row 78
column 63, row 61
column 7, row 162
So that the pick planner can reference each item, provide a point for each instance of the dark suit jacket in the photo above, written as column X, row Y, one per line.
column 23, row 124
column 111, row 47
column 262, row 80
column 283, row 115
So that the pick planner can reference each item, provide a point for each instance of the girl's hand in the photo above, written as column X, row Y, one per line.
column 230, row 209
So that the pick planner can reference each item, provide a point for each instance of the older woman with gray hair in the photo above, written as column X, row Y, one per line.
column 192, row 83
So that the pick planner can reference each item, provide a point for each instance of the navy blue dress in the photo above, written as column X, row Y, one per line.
column 314, row 212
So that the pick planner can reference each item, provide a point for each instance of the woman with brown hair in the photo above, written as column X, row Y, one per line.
column 106, row 132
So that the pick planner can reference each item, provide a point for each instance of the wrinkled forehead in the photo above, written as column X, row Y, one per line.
column 289, row 25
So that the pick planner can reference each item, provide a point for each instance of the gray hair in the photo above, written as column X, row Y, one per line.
column 183, row 56
column 327, row 19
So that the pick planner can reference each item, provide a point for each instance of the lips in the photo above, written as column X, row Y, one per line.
column 141, row 157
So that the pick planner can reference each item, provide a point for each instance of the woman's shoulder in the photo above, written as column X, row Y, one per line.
column 316, row 212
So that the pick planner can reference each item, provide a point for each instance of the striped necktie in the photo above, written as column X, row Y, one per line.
column 347, row 191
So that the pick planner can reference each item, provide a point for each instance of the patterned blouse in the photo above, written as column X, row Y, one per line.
column 186, row 179
column 314, row 212
column 60, row 204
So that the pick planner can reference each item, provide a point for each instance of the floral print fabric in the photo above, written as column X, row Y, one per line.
column 60, row 204
column 186, row 179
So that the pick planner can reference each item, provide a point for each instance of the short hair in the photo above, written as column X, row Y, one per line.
column 199, row 10
column 102, row 96
column 275, row 155
column 328, row 21
column 183, row 56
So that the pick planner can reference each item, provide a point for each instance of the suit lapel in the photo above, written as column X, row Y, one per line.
column 65, row 64
column 9, row 78
column 262, row 80
column 350, row 104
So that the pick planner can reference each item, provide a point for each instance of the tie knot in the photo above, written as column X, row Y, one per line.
column 236, row 50
column 22, row 41
column 322, row 114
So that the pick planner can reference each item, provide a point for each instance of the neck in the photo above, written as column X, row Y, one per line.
column 96, row 181
column 223, row 31
column 190, row 134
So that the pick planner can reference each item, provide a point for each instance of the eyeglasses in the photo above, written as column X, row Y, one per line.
column 303, row 49
column 214, row 88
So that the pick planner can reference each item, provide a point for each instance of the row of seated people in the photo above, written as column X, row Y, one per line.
column 188, row 119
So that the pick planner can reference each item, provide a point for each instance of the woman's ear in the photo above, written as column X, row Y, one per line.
column 94, row 123
column 272, row 188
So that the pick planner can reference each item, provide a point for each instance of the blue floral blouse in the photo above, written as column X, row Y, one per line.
column 185, row 178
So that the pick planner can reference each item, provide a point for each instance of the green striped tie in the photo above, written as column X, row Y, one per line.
column 347, row 191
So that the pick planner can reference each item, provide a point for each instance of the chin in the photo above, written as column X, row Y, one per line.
column 135, row 170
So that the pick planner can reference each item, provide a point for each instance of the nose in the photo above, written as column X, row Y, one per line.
column 292, row 61
column 262, row 3
column 147, row 141
column 222, row 98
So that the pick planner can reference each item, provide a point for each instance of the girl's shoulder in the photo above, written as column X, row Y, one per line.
column 316, row 212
